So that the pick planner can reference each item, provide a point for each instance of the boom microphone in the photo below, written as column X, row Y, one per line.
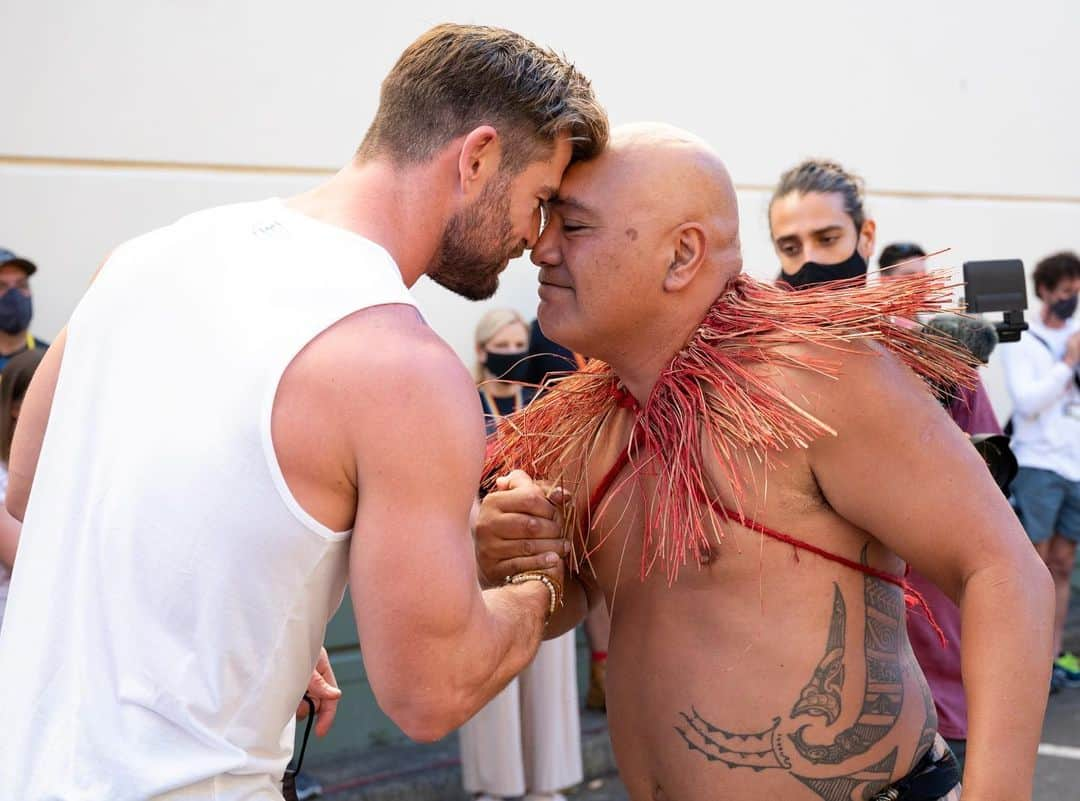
column 979, row 337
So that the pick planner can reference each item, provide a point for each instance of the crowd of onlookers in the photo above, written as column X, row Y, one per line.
column 527, row 740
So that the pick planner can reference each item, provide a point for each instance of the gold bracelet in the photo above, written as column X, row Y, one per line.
column 553, row 586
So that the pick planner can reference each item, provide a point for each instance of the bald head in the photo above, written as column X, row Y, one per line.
column 683, row 175
column 640, row 242
column 670, row 177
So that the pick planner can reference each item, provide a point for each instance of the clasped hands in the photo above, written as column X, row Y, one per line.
column 519, row 529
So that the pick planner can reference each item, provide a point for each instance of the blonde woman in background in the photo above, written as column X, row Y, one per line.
column 527, row 740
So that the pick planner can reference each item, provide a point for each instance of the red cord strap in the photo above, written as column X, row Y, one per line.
column 912, row 597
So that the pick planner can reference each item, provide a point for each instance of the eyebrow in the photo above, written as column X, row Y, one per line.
column 570, row 203
column 817, row 232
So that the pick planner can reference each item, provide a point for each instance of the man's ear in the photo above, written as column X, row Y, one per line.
column 479, row 159
column 866, row 239
column 688, row 256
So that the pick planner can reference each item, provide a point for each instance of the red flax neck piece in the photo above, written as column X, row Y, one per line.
column 712, row 396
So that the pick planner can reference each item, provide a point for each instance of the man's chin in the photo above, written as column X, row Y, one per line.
column 468, row 290
column 556, row 328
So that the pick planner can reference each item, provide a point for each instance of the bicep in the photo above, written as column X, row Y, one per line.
column 902, row 471
column 30, row 431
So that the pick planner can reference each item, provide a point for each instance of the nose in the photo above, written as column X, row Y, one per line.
column 535, row 225
column 812, row 252
column 546, row 251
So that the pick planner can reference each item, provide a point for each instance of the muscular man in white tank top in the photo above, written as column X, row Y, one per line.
column 187, row 536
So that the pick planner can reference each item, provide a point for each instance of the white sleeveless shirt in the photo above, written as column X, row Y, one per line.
column 171, row 595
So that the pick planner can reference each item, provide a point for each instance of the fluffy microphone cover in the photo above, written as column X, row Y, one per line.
column 977, row 336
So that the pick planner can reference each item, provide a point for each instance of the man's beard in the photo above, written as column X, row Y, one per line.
column 476, row 244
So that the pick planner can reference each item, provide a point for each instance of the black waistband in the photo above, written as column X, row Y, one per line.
column 930, row 780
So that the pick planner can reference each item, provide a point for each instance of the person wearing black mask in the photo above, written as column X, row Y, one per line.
column 502, row 364
column 818, row 225
column 1041, row 371
column 16, row 306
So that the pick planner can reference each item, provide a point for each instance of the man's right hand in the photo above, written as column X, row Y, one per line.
column 519, row 529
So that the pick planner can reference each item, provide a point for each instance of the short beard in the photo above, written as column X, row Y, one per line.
column 467, row 262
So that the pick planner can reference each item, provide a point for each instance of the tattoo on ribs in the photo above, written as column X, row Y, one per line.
column 930, row 721
column 884, row 694
column 821, row 695
column 858, row 786
column 883, row 697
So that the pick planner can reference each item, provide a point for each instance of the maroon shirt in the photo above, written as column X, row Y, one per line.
column 974, row 415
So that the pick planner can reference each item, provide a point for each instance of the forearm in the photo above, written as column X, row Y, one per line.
column 1007, row 612
column 9, row 539
column 573, row 611
column 445, row 679
column 1036, row 393
column 515, row 617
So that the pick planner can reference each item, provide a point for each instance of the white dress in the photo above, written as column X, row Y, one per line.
column 528, row 737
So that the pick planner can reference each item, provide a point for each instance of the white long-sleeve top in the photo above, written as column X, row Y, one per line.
column 1046, row 401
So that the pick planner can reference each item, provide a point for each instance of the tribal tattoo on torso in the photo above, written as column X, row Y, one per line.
column 882, row 700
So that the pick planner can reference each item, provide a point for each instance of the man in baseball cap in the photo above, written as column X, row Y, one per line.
column 16, row 306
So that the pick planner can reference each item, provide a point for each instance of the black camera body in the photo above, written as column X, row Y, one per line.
column 998, row 286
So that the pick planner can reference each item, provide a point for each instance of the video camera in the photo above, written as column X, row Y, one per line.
column 998, row 286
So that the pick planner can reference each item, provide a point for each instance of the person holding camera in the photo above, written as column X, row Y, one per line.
column 1041, row 371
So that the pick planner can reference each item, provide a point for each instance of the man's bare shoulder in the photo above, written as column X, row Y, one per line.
column 822, row 378
column 376, row 350
column 379, row 367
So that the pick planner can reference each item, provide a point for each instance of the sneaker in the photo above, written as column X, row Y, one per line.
column 307, row 786
column 1056, row 682
column 1067, row 670
column 595, row 698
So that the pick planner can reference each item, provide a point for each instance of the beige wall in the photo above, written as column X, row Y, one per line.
column 120, row 116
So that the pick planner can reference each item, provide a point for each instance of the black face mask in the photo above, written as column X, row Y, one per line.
column 508, row 366
column 16, row 309
column 813, row 273
column 1064, row 309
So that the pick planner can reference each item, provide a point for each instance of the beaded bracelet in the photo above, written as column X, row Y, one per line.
column 553, row 586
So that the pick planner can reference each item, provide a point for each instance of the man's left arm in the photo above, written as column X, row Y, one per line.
column 30, row 432
column 901, row 470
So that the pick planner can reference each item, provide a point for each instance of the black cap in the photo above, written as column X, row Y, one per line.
column 8, row 257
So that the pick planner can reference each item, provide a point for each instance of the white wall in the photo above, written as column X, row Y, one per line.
column 119, row 116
